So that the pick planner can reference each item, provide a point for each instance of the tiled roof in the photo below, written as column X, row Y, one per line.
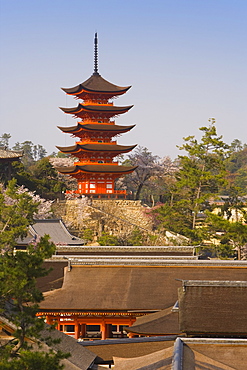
column 10, row 154
column 96, row 83
column 55, row 228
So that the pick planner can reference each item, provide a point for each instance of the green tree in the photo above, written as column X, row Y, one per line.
column 200, row 175
column 23, row 176
column 27, row 148
column 31, row 152
column 234, row 204
column 88, row 235
column 4, row 140
column 18, row 273
column 33, row 361
column 16, row 213
column 231, row 235
column 47, row 183
column 240, row 180
column 40, row 177
column 107, row 239
column 136, row 237
column 202, row 170
column 39, row 152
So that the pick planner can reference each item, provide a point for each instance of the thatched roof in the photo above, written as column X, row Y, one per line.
column 156, row 353
column 80, row 358
column 213, row 308
column 161, row 360
column 126, row 347
column 164, row 322
column 124, row 288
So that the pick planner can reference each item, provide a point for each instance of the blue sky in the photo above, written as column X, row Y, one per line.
column 185, row 59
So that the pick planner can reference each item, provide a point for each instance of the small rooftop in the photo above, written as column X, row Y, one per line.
column 55, row 228
column 10, row 154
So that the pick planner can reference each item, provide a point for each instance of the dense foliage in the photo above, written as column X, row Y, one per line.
column 18, row 273
column 210, row 175
column 34, row 171
column 202, row 178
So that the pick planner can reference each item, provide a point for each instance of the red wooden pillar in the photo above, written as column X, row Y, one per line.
column 77, row 329
column 108, row 331
column 103, row 330
column 49, row 320
column 58, row 324
column 83, row 330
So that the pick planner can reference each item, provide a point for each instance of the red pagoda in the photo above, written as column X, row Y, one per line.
column 95, row 169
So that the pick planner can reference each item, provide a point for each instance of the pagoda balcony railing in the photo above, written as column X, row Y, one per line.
column 96, row 121
column 89, row 161
column 81, row 192
column 91, row 102
column 96, row 141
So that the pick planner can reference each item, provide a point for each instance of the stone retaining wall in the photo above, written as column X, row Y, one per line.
column 111, row 216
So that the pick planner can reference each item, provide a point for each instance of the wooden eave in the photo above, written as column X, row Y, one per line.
column 96, row 109
column 96, row 148
column 96, row 84
column 95, row 127
column 96, row 168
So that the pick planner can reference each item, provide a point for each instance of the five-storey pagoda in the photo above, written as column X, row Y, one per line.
column 96, row 170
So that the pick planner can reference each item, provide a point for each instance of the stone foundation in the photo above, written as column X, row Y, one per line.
column 112, row 216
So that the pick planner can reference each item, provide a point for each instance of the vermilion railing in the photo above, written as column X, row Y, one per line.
column 81, row 192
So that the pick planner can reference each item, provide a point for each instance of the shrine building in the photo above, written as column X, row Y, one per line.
column 95, row 169
column 103, row 296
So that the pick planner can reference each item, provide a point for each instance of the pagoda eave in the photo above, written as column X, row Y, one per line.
column 96, row 84
column 115, row 129
column 96, row 109
column 104, row 148
column 82, row 93
column 102, row 168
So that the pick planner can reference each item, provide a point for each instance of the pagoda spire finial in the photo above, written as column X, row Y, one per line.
column 96, row 54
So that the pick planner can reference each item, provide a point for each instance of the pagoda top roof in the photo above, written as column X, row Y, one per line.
column 97, row 108
column 96, row 84
column 101, row 147
column 102, row 168
column 96, row 127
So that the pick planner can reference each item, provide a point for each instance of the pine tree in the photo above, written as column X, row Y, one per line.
column 19, row 296
column 201, row 173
